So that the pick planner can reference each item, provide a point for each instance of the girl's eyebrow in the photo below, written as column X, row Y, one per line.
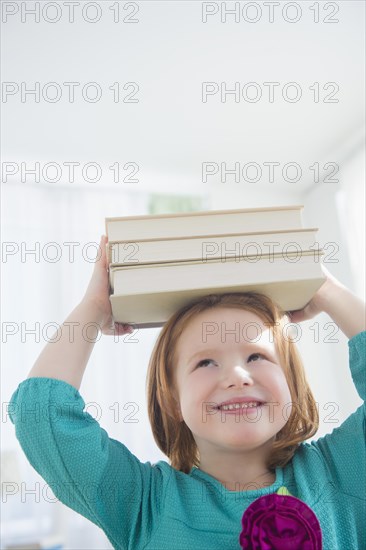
column 215, row 351
column 202, row 351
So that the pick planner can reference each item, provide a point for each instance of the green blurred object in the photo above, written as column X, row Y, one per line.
column 167, row 204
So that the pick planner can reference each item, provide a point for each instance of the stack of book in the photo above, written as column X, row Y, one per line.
column 159, row 263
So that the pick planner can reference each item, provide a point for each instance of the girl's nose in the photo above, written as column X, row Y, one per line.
column 238, row 376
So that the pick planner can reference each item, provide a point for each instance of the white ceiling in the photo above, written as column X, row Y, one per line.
column 169, row 53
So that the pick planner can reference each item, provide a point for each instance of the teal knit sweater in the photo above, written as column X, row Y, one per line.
column 144, row 506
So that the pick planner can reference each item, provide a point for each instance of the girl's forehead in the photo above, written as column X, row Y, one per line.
column 226, row 324
column 225, row 316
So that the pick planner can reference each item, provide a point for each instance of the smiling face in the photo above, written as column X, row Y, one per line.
column 226, row 353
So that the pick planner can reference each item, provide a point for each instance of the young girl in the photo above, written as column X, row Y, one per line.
column 229, row 405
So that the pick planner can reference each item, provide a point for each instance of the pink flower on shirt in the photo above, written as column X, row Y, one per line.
column 280, row 522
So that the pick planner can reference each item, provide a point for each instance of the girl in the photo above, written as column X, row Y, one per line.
column 229, row 405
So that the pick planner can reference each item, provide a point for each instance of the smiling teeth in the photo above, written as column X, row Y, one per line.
column 239, row 406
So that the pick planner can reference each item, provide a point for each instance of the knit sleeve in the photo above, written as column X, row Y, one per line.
column 344, row 450
column 88, row 471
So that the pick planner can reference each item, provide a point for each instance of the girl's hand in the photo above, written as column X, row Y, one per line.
column 346, row 310
column 317, row 303
column 97, row 293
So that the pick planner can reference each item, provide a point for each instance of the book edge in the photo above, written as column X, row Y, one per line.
column 204, row 213
column 219, row 235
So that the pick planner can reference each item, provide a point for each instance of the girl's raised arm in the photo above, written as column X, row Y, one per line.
column 346, row 309
column 66, row 359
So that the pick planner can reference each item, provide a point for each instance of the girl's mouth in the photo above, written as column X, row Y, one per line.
column 239, row 407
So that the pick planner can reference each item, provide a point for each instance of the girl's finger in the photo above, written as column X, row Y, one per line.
column 102, row 258
column 123, row 329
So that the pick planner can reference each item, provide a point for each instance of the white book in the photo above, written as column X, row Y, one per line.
column 214, row 222
column 148, row 295
column 207, row 248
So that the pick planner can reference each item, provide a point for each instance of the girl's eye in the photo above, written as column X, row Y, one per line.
column 253, row 357
column 205, row 362
column 256, row 356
